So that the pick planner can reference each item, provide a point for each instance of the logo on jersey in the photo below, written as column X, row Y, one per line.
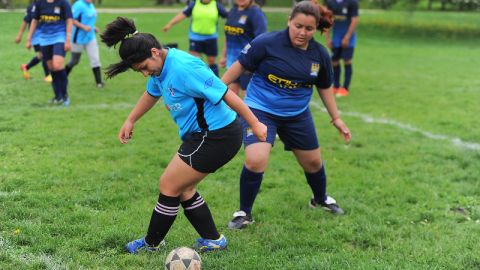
column 170, row 88
column 175, row 107
column 208, row 83
column 344, row 10
column 243, row 19
column 249, row 131
column 246, row 48
column 33, row 8
column 57, row 10
column 314, row 69
column 233, row 31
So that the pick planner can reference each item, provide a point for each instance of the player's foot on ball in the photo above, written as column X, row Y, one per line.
column 26, row 74
column 140, row 245
column 204, row 245
column 240, row 220
column 329, row 205
column 342, row 92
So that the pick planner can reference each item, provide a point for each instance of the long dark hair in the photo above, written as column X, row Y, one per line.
column 134, row 47
column 323, row 16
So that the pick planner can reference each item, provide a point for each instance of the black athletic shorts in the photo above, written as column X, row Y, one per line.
column 207, row 151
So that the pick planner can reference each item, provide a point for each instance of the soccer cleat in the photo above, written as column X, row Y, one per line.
column 66, row 101
column 204, row 245
column 100, row 85
column 240, row 220
column 26, row 74
column 48, row 78
column 334, row 90
column 342, row 92
column 329, row 205
column 140, row 245
column 55, row 101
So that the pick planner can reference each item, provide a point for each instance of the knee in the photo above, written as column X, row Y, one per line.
column 166, row 188
column 312, row 165
column 256, row 164
column 335, row 63
column 57, row 66
column 347, row 62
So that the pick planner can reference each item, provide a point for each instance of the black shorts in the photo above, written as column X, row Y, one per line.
column 342, row 53
column 208, row 47
column 207, row 151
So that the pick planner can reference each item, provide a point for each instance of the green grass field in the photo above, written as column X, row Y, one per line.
column 71, row 196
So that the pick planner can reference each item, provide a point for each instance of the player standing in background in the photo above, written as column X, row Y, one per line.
column 343, row 41
column 205, row 111
column 35, row 43
column 203, row 33
column 55, row 19
column 83, row 38
column 286, row 65
column 245, row 21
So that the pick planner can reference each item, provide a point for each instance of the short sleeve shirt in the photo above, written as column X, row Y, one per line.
column 86, row 14
column 344, row 11
column 52, row 17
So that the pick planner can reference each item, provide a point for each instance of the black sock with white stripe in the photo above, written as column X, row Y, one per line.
column 198, row 213
column 162, row 218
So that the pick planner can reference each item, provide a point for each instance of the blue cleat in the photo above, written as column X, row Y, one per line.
column 140, row 245
column 204, row 245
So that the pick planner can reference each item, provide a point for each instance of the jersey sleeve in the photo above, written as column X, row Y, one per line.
column 67, row 10
column 353, row 9
column 35, row 12
column 201, row 82
column 259, row 22
column 153, row 89
column 187, row 11
column 252, row 54
column 76, row 11
column 222, row 11
column 28, row 14
column 325, row 74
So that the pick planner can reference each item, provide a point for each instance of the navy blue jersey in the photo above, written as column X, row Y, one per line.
column 283, row 75
column 28, row 19
column 242, row 26
column 187, row 11
column 53, row 19
column 192, row 94
column 344, row 11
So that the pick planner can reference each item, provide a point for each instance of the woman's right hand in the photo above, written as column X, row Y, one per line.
column 18, row 39
column 28, row 43
column 260, row 131
column 166, row 28
column 126, row 132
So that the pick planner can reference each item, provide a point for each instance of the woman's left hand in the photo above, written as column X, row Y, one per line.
column 66, row 46
column 342, row 128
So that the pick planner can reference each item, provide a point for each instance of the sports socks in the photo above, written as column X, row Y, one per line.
column 249, row 186
column 197, row 212
column 97, row 74
column 214, row 68
column 336, row 76
column 318, row 184
column 59, row 83
column 55, row 85
column 33, row 62
column 162, row 218
column 348, row 75
column 45, row 68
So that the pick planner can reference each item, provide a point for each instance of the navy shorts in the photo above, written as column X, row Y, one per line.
column 50, row 50
column 343, row 53
column 37, row 48
column 207, row 151
column 296, row 132
column 208, row 47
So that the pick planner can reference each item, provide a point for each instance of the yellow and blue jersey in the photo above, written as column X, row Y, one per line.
column 283, row 75
column 188, row 11
column 192, row 94
column 242, row 26
column 343, row 11
column 52, row 17
column 86, row 14
column 28, row 19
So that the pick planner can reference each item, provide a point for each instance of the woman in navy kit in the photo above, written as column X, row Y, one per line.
column 245, row 21
column 55, row 19
column 35, row 43
column 199, row 103
column 286, row 64
column 203, row 32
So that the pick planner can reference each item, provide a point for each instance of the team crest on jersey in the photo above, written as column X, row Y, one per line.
column 208, row 83
column 243, row 19
column 246, row 48
column 249, row 131
column 56, row 10
column 314, row 69
column 344, row 10
column 171, row 89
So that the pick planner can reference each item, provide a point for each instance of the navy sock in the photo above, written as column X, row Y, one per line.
column 214, row 68
column 348, row 75
column 33, row 62
column 98, row 74
column 45, row 68
column 336, row 76
column 318, row 184
column 63, row 83
column 162, row 219
column 199, row 215
column 55, row 85
column 249, row 186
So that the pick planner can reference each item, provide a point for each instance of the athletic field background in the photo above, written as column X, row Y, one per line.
column 71, row 196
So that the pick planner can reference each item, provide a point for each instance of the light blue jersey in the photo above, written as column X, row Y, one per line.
column 192, row 94
column 86, row 14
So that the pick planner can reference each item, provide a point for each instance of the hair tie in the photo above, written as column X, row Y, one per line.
column 130, row 35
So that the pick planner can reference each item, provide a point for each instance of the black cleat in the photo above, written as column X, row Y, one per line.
column 240, row 220
column 329, row 205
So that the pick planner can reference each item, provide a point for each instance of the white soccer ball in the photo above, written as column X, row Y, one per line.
column 183, row 258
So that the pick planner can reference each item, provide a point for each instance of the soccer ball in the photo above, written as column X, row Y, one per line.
column 183, row 258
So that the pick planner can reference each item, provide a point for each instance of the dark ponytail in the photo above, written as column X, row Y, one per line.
column 134, row 47
column 323, row 16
